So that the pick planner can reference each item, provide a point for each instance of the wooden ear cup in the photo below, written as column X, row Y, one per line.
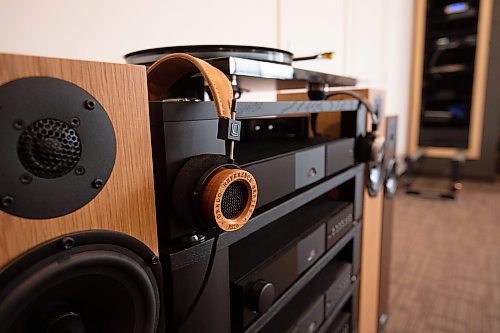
column 211, row 191
column 188, row 185
column 229, row 198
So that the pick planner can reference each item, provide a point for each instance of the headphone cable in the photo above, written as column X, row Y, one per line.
column 208, row 272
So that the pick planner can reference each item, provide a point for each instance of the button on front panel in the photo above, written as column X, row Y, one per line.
column 310, row 249
column 309, row 166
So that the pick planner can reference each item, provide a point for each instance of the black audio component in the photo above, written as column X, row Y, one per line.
column 274, row 128
column 335, row 292
column 341, row 324
column 284, row 166
column 281, row 174
column 281, row 165
column 307, row 311
column 311, row 319
column 279, row 274
column 339, row 155
column 257, row 270
column 266, row 263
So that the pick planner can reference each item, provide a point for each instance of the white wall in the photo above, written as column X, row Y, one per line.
column 105, row 30
column 398, row 62
column 314, row 26
column 372, row 39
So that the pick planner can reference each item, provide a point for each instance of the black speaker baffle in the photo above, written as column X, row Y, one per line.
column 57, row 147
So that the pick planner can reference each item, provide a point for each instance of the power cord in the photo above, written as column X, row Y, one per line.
column 362, row 101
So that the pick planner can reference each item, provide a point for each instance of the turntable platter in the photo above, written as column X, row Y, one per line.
column 146, row 57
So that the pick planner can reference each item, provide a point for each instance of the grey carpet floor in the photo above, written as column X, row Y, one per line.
column 445, row 269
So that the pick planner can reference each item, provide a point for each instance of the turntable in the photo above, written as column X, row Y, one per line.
column 247, row 62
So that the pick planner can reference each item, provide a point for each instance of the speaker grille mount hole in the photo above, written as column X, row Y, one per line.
column 49, row 148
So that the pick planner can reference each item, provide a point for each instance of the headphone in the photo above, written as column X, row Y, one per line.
column 210, row 190
column 370, row 148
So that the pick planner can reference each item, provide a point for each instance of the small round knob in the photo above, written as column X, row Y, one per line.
column 262, row 296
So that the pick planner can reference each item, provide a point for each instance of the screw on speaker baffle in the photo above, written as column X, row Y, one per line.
column 25, row 179
column 98, row 183
column 19, row 124
column 79, row 170
column 89, row 104
column 68, row 242
column 155, row 260
column 6, row 201
column 74, row 122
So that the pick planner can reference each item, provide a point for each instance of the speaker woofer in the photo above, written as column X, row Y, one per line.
column 88, row 282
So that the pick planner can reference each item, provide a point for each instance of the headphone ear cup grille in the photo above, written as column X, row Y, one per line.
column 240, row 189
column 234, row 200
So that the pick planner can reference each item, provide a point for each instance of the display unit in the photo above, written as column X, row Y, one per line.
column 454, row 103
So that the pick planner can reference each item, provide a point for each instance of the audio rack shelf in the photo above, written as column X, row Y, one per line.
column 351, row 293
column 200, row 251
column 189, row 110
column 337, row 299
column 191, row 124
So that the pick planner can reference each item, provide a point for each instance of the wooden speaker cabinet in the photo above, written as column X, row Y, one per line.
column 78, row 240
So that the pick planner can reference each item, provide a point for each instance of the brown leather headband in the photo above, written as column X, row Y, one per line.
column 169, row 69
